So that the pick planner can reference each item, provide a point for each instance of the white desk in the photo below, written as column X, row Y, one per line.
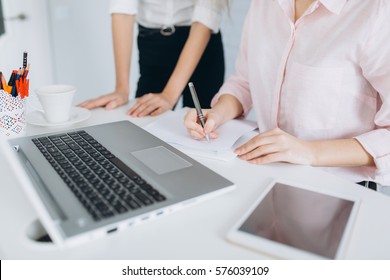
column 197, row 232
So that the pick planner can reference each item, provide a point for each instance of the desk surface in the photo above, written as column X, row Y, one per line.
column 197, row 232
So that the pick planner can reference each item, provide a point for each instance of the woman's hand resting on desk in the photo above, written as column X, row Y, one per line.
column 152, row 104
column 271, row 146
column 276, row 146
column 108, row 101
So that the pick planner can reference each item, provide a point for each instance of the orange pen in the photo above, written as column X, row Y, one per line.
column 26, row 88
column 6, row 87
column 22, row 85
column 3, row 82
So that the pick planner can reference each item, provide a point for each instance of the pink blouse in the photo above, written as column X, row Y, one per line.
column 326, row 76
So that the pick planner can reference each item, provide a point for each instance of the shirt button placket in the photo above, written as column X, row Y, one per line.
column 281, row 74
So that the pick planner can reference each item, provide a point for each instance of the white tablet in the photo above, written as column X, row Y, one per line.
column 290, row 221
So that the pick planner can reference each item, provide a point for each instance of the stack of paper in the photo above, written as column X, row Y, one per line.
column 171, row 129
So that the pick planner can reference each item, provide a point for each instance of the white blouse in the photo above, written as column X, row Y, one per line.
column 158, row 13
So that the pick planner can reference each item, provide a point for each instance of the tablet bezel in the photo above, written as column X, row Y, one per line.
column 280, row 250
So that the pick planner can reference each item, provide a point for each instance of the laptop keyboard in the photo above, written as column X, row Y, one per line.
column 102, row 183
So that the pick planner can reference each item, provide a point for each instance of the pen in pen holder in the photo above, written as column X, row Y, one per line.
column 13, row 98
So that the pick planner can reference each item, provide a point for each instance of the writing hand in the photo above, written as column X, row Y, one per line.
column 194, row 128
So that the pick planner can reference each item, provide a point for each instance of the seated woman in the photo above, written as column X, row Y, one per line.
column 317, row 75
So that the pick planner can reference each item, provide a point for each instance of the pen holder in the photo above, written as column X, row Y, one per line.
column 12, row 115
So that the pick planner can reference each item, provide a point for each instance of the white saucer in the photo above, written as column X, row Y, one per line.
column 77, row 114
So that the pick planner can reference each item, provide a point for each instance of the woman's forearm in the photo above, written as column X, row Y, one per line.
column 343, row 152
column 228, row 107
column 122, row 30
column 189, row 58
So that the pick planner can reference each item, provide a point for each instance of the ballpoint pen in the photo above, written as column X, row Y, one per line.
column 197, row 107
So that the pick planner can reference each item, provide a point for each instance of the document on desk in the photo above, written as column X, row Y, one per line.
column 171, row 129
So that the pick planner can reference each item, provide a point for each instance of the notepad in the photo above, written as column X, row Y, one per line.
column 171, row 129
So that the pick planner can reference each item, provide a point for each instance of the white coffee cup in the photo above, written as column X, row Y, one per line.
column 56, row 101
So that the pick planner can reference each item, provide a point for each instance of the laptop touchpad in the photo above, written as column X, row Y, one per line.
column 161, row 160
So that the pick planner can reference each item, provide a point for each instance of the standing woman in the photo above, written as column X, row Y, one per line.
column 178, row 41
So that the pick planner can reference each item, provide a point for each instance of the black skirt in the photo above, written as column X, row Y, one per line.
column 158, row 55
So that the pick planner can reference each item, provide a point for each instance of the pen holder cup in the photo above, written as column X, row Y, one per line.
column 12, row 115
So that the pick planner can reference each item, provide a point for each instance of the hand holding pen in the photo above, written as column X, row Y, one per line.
column 195, row 129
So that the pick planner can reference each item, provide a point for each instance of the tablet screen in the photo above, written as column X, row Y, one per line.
column 300, row 218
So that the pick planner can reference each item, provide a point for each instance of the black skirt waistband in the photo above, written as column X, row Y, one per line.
column 163, row 31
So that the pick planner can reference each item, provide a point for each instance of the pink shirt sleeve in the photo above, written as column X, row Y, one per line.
column 238, row 84
column 375, row 63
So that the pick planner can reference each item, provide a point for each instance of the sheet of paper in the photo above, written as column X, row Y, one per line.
column 171, row 129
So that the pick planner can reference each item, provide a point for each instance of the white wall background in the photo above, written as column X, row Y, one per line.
column 82, row 47
column 30, row 35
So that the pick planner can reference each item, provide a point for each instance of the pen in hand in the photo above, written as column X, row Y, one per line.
column 197, row 107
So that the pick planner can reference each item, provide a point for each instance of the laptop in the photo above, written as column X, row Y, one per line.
column 89, row 182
